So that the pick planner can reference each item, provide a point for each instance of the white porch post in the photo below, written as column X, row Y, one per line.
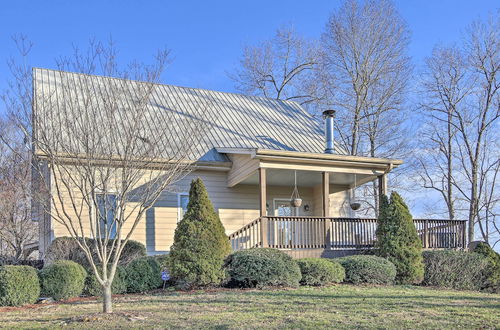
column 262, row 206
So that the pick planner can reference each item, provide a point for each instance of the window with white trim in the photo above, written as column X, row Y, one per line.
column 182, row 203
column 106, row 214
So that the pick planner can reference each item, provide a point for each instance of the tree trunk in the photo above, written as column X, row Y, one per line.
column 473, row 203
column 106, row 299
column 449, row 181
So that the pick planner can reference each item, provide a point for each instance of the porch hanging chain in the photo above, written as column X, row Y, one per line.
column 295, row 193
column 295, row 200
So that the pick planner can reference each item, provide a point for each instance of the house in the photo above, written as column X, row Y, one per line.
column 253, row 154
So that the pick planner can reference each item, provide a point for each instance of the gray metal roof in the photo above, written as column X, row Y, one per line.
column 231, row 120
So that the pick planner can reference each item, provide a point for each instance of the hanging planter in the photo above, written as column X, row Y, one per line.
column 355, row 206
column 295, row 200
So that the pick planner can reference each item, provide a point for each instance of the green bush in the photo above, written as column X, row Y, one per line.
column 262, row 267
column 455, row 269
column 163, row 260
column 143, row 274
column 66, row 248
column 492, row 282
column 200, row 243
column 368, row 269
column 318, row 271
column 94, row 288
column 19, row 285
column 63, row 279
column 398, row 241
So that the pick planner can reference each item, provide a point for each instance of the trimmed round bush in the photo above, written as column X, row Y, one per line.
column 368, row 269
column 143, row 274
column 63, row 279
column 455, row 269
column 94, row 288
column 19, row 285
column 66, row 248
column 492, row 282
column 318, row 271
column 262, row 267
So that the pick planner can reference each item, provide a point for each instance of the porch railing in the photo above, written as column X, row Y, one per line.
column 338, row 233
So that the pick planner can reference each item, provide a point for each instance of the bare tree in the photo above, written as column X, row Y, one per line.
column 17, row 229
column 445, row 85
column 280, row 68
column 365, row 62
column 103, row 153
column 462, row 103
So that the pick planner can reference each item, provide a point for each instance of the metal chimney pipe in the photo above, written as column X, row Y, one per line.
column 328, row 116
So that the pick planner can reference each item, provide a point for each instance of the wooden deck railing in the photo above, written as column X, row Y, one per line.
column 248, row 236
column 338, row 233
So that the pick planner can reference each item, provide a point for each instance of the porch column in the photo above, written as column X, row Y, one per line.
column 382, row 188
column 262, row 192
column 326, row 207
column 326, row 194
column 263, row 208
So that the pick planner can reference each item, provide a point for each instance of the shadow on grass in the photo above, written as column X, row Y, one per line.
column 370, row 296
column 346, row 301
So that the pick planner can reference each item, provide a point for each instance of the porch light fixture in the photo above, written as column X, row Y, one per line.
column 355, row 204
column 295, row 200
column 306, row 207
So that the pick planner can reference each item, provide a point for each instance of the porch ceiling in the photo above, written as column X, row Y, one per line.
column 284, row 177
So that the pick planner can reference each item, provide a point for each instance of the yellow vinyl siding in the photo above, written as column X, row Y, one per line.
column 236, row 207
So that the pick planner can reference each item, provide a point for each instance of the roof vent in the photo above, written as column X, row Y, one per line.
column 328, row 116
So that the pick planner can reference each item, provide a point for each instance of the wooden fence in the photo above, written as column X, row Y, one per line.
column 339, row 233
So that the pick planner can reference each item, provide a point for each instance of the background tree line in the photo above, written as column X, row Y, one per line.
column 441, row 118
column 360, row 67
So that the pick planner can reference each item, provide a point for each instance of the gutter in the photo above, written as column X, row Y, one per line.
column 326, row 159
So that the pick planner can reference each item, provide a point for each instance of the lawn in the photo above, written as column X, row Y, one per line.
column 341, row 306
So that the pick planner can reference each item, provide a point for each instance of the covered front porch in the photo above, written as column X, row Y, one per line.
column 325, row 222
column 330, row 236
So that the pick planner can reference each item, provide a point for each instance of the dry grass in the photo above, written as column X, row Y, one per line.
column 342, row 306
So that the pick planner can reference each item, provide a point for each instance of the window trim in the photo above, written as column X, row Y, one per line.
column 98, row 222
column 179, row 206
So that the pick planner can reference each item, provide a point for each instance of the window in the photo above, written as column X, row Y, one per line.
column 182, row 203
column 106, row 213
column 283, row 208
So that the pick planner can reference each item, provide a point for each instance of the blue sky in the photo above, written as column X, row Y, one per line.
column 205, row 37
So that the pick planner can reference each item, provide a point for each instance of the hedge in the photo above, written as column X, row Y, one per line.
column 455, row 269
column 492, row 282
column 143, row 274
column 318, row 271
column 66, row 248
column 63, row 279
column 262, row 267
column 94, row 288
column 11, row 261
column 368, row 269
column 19, row 285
